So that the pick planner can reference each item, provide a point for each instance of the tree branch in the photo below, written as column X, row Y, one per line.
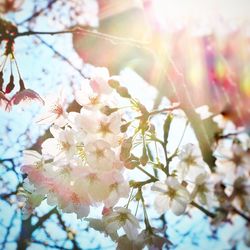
column 81, row 30
column 205, row 211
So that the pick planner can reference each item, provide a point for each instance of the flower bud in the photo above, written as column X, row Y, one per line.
column 126, row 148
column 10, row 86
column 1, row 81
column 144, row 157
column 132, row 162
column 123, row 92
column 124, row 127
column 113, row 84
column 107, row 110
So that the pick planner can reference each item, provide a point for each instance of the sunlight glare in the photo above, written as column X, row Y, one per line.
column 180, row 11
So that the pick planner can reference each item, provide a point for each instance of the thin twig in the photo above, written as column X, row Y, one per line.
column 205, row 211
column 80, row 30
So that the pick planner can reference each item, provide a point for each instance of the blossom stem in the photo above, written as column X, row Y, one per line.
column 18, row 71
column 4, row 62
column 148, row 174
column 182, row 136
column 137, row 207
column 146, row 220
column 166, row 169
column 158, row 111
column 155, row 112
column 177, row 148
column 130, row 197
column 140, row 184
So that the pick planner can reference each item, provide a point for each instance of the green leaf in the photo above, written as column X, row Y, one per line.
column 166, row 127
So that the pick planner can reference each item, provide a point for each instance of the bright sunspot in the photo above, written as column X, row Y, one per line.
column 182, row 11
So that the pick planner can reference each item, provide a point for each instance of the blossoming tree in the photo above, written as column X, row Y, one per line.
column 107, row 148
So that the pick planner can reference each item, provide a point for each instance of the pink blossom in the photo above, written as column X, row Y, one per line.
column 36, row 176
column 54, row 111
column 99, row 82
column 26, row 95
column 118, row 188
column 95, row 184
column 100, row 155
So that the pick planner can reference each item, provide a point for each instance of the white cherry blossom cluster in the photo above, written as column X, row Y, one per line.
column 233, row 171
column 189, row 182
column 79, row 166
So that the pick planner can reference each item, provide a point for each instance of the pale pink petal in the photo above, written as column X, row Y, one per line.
column 112, row 199
column 46, row 118
column 50, row 147
column 130, row 230
column 99, row 82
column 26, row 95
column 178, row 206
column 159, row 187
column 31, row 157
column 161, row 203
column 114, row 226
column 82, row 211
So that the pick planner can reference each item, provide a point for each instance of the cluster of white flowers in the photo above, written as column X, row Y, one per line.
column 232, row 161
column 190, row 182
column 80, row 165
column 233, row 170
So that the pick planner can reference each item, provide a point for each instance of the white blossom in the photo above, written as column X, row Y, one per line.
column 232, row 162
column 118, row 188
column 54, row 111
column 191, row 163
column 100, row 155
column 63, row 145
column 170, row 195
column 122, row 217
column 203, row 190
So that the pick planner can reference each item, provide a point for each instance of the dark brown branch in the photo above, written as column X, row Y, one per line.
column 241, row 214
column 27, row 229
column 8, row 229
column 43, row 219
column 62, row 223
column 25, row 234
column 7, row 195
column 205, row 211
